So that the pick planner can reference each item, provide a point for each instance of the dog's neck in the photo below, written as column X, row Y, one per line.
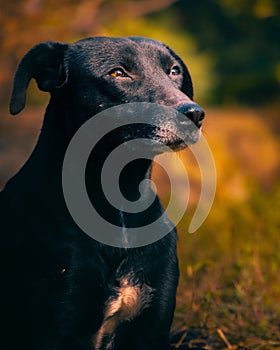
column 42, row 173
column 128, row 181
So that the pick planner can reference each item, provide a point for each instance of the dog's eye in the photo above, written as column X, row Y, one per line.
column 117, row 72
column 175, row 70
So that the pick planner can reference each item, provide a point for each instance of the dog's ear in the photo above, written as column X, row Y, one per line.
column 187, row 87
column 45, row 63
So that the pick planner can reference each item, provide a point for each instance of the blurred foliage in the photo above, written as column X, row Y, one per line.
column 231, row 46
column 230, row 285
column 243, row 36
column 229, row 268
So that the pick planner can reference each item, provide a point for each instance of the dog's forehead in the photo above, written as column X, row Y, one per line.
column 104, row 51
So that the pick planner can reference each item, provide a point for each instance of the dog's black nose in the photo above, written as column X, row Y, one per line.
column 193, row 111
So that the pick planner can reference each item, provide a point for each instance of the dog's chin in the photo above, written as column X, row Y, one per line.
column 175, row 143
column 163, row 141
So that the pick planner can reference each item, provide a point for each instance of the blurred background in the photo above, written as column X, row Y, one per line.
column 229, row 293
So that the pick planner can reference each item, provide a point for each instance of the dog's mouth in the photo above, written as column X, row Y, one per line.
column 162, row 139
column 176, row 142
column 171, row 140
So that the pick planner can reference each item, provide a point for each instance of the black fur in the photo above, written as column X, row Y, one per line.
column 55, row 280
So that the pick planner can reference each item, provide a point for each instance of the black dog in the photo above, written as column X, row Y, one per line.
column 61, row 289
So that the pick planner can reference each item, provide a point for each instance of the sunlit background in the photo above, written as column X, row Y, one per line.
column 229, row 293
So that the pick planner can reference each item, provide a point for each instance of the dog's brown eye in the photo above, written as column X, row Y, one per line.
column 117, row 72
column 175, row 70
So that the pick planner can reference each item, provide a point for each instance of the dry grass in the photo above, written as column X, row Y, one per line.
column 229, row 290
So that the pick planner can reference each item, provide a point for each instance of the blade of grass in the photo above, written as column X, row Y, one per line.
column 224, row 338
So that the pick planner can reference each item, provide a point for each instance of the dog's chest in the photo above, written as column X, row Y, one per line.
column 128, row 299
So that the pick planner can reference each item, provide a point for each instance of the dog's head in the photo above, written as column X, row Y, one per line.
column 100, row 72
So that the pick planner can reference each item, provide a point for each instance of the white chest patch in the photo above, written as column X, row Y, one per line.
column 130, row 300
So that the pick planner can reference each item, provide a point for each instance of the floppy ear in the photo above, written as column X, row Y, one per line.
column 187, row 87
column 45, row 63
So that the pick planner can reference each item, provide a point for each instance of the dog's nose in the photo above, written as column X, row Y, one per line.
column 193, row 111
